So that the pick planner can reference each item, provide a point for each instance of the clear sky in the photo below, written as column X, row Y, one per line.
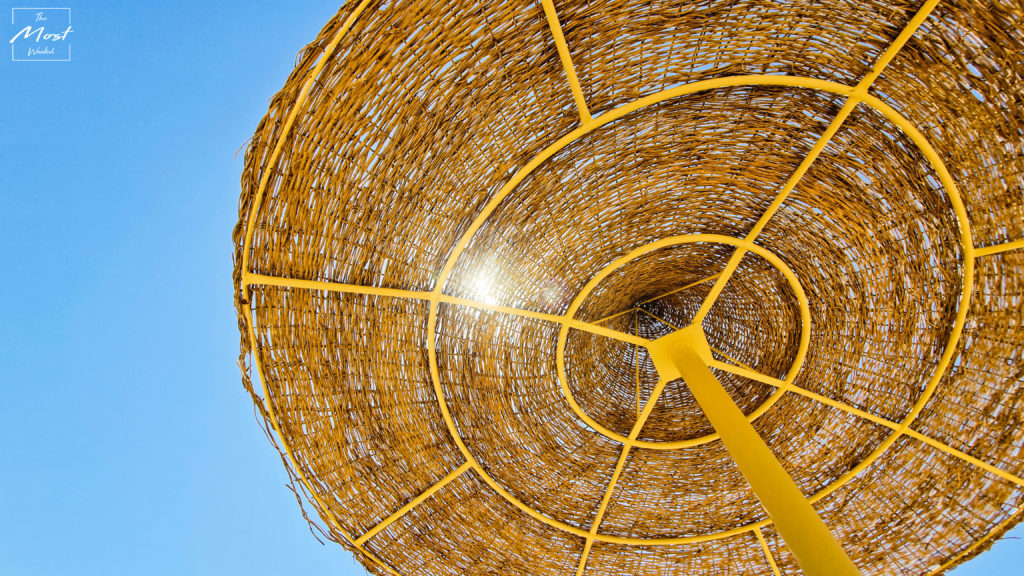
column 131, row 446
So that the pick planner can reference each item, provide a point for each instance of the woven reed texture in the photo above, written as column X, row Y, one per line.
column 432, row 430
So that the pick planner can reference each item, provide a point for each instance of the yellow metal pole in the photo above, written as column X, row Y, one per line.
column 686, row 353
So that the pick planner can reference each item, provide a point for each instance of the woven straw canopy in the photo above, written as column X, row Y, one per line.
column 495, row 258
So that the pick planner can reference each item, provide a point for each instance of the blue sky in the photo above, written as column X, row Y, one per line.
column 131, row 445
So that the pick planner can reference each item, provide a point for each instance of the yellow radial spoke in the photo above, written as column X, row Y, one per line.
column 748, row 372
column 413, row 504
column 852, row 100
column 261, row 279
column 739, row 253
column 659, row 297
column 633, row 435
column 686, row 287
column 613, row 316
column 606, row 332
column 636, row 352
column 731, row 359
column 767, row 552
column 771, row 381
column 659, row 319
column 570, row 322
column 901, row 428
column 563, row 54
column 963, row 456
column 996, row 249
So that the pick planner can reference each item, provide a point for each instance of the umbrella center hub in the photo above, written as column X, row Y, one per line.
column 661, row 350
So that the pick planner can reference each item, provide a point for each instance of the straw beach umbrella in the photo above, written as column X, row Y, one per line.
column 718, row 287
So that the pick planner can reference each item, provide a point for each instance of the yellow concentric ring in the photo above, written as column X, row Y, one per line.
column 791, row 279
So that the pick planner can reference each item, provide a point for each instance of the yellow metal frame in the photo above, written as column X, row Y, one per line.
column 856, row 95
